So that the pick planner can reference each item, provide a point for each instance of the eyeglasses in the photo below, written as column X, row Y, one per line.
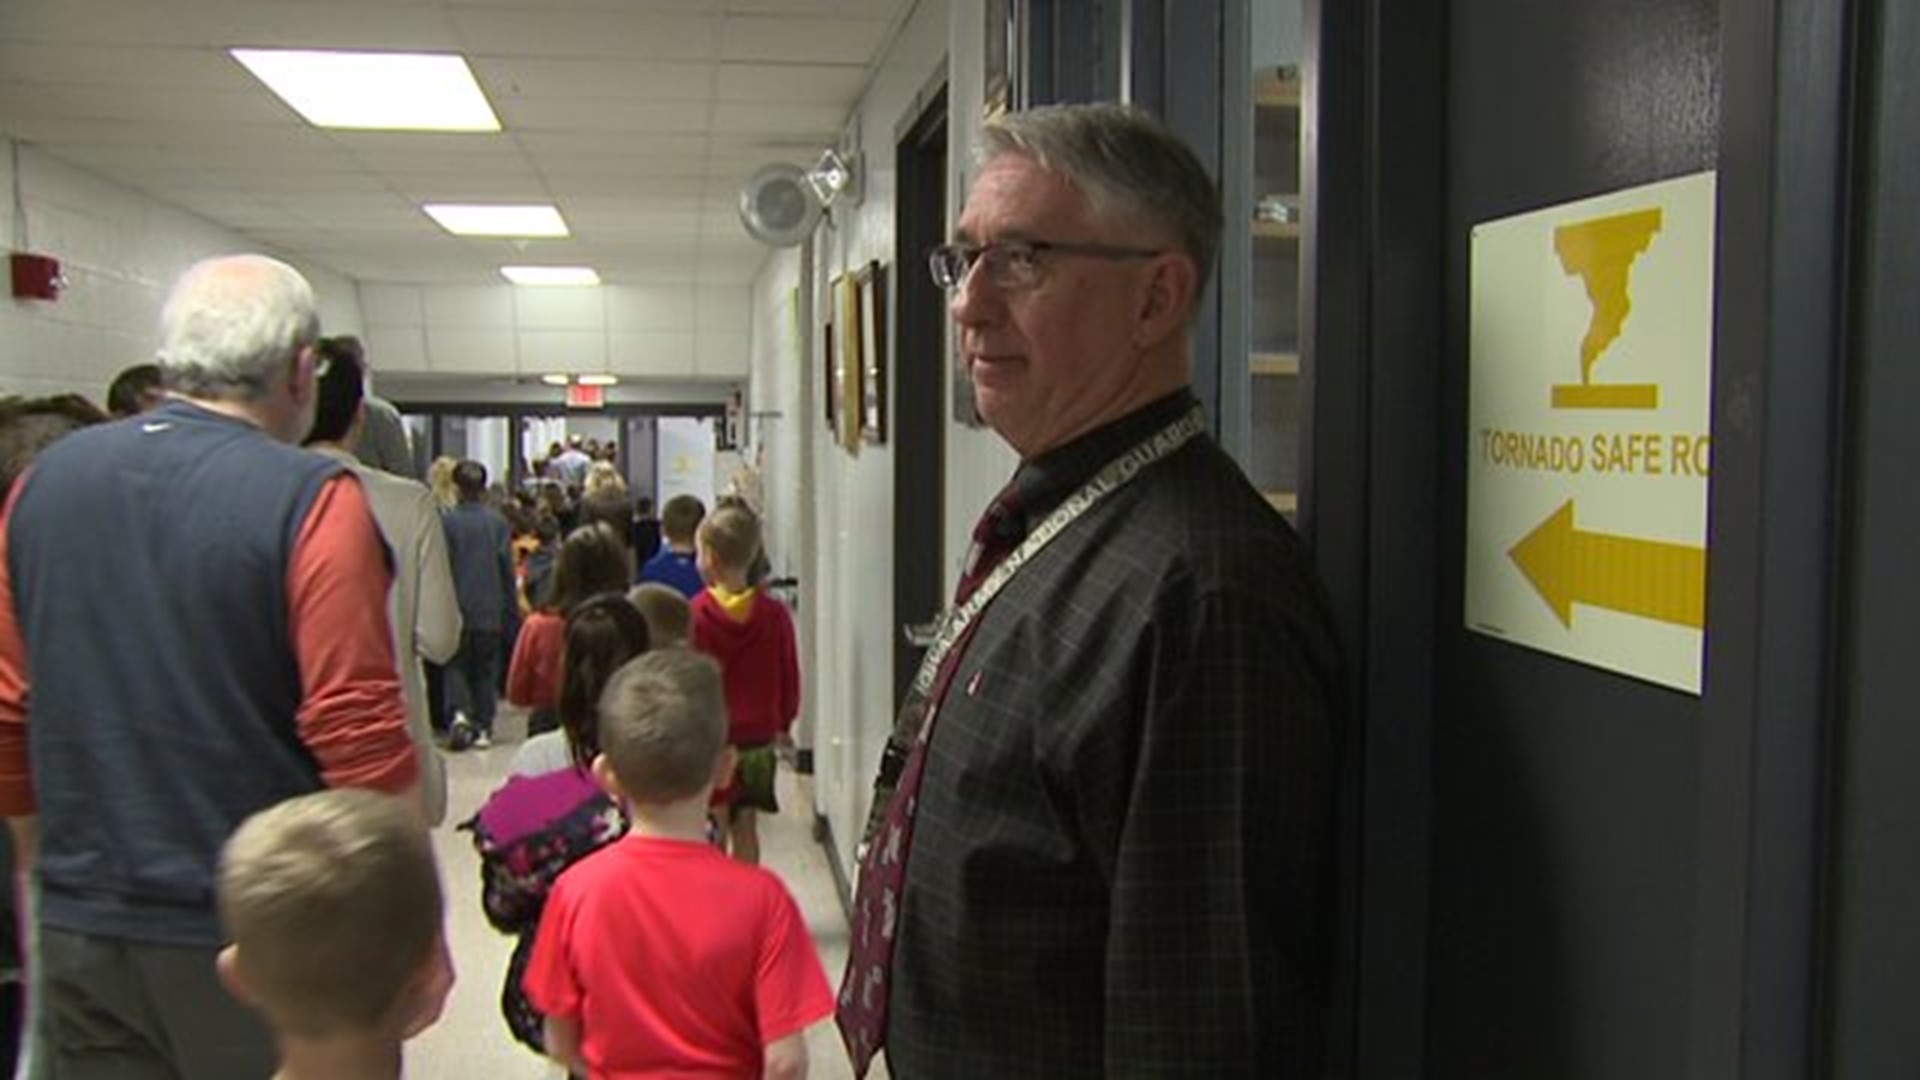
column 1014, row 265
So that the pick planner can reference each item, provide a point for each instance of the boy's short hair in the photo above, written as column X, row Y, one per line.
column 470, row 480
column 680, row 517
column 669, row 616
column 732, row 538
column 663, row 724
column 333, row 903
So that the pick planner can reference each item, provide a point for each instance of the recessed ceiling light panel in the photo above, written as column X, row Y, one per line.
column 378, row 91
column 462, row 219
column 550, row 275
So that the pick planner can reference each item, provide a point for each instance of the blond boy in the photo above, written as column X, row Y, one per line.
column 657, row 954
column 332, row 906
column 752, row 636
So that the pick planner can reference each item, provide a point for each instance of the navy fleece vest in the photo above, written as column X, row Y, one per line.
column 149, row 563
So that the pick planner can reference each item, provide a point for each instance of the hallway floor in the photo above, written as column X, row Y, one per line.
column 471, row 1039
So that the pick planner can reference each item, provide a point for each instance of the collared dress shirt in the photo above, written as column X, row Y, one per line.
column 1122, row 854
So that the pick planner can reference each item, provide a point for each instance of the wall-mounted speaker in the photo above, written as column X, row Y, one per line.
column 778, row 206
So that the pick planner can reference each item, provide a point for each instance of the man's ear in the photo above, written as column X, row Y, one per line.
column 227, row 966
column 303, row 377
column 1167, row 298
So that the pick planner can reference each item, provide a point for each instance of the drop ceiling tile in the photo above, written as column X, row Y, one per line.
column 620, row 34
column 333, row 25
column 561, row 350
column 605, row 114
column 798, row 84
column 94, row 22
column 572, row 186
column 372, row 146
column 625, row 173
column 650, row 308
column 569, row 144
column 506, row 78
column 801, row 40
column 773, row 118
column 471, row 187
column 130, row 163
column 128, row 103
column 171, row 67
column 478, row 307
column 471, row 351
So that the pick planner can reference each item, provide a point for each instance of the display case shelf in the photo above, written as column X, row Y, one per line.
column 1274, row 364
column 1275, row 393
column 1276, row 230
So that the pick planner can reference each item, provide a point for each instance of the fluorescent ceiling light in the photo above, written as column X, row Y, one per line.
column 594, row 379
column 550, row 275
column 462, row 219
column 554, row 379
column 382, row 91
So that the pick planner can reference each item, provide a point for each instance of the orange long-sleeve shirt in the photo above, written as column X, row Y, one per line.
column 351, row 716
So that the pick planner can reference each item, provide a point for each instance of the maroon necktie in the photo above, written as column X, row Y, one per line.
column 862, row 1012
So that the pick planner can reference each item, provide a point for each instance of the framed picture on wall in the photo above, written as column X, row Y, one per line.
column 849, row 359
column 829, row 378
column 873, row 346
column 1002, row 56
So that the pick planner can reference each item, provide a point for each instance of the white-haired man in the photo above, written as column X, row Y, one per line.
column 226, row 649
column 1109, row 849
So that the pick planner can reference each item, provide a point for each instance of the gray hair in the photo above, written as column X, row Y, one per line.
column 1130, row 167
column 232, row 323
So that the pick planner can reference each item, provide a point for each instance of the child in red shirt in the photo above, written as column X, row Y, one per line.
column 658, row 955
column 592, row 560
column 751, row 634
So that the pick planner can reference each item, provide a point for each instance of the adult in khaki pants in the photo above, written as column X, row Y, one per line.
column 422, row 606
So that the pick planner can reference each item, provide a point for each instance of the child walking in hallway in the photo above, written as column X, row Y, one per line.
column 333, row 907
column 751, row 635
column 657, row 954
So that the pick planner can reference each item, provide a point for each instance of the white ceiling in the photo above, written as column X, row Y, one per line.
column 637, row 118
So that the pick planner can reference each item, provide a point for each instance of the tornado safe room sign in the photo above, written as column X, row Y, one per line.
column 1591, row 360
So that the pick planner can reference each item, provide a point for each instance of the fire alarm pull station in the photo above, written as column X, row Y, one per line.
column 37, row 277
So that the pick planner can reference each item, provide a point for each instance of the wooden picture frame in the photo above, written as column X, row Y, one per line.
column 849, row 360
column 873, row 347
column 829, row 378
column 1001, row 58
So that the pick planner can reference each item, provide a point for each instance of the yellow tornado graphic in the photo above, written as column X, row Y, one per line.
column 1601, row 254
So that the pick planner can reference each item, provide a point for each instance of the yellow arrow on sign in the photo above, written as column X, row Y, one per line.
column 1648, row 578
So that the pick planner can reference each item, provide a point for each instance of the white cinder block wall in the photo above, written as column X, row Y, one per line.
column 120, row 252
column 680, row 332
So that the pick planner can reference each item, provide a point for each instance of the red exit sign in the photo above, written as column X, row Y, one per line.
column 586, row 397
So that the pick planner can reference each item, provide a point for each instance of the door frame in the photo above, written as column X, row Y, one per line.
column 920, row 377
